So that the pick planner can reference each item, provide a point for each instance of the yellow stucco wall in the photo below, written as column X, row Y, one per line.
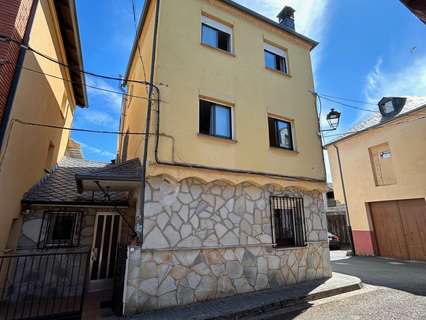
column 407, row 143
column 187, row 70
column 38, row 99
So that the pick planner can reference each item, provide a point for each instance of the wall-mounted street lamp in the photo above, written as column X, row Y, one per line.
column 333, row 119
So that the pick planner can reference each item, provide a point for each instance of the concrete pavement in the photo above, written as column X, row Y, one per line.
column 390, row 273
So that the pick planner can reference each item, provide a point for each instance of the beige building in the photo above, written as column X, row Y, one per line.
column 28, row 151
column 379, row 171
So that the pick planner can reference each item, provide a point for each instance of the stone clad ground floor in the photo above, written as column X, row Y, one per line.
column 207, row 240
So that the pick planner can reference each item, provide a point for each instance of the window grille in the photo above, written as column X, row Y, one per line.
column 288, row 222
column 60, row 229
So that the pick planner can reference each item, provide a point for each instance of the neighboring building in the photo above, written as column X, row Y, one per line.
column 417, row 7
column 336, row 216
column 27, row 94
column 384, row 179
column 236, row 176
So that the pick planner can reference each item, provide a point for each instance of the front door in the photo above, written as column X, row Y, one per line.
column 104, row 251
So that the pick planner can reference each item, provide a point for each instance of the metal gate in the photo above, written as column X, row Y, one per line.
column 43, row 286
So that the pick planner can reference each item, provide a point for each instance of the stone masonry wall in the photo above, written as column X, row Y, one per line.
column 209, row 240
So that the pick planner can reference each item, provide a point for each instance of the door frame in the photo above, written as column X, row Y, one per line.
column 102, row 284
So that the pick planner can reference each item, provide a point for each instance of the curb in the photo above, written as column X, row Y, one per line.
column 256, row 304
column 286, row 303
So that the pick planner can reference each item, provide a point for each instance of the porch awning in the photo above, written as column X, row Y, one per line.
column 125, row 176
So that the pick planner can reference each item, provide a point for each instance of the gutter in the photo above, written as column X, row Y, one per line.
column 17, row 74
column 348, row 219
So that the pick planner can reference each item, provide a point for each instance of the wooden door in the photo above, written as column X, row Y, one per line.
column 413, row 214
column 400, row 228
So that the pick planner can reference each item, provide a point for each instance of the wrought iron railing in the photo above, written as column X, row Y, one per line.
column 48, row 285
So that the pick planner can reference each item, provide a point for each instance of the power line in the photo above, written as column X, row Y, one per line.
column 387, row 123
column 45, row 125
column 4, row 38
column 347, row 99
column 347, row 105
column 78, row 82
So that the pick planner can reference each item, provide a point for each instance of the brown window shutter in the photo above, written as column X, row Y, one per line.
column 272, row 133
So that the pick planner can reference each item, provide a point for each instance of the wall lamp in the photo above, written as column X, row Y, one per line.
column 333, row 119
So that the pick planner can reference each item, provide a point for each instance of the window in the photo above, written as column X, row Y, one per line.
column 288, row 222
column 215, row 119
column 280, row 134
column 215, row 34
column 60, row 229
column 381, row 161
column 275, row 58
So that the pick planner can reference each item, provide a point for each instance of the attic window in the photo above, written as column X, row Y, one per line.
column 388, row 107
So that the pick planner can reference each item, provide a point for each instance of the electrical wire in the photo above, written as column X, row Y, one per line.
column 347, row 99
column 4, row 38
column 79, row 82
column 348, row 105
column 379, row 126
column 45, row 125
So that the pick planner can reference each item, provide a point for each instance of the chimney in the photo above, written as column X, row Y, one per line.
column 286, row 18
column 73, row 150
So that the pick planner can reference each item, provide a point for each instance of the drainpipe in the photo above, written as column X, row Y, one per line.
column 348, row 219
column 141, row 203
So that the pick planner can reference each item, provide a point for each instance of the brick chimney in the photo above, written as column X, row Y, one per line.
column 14, row 17
column 286, row 18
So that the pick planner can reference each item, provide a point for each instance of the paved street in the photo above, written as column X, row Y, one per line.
column 389, row 273
column 380, row 304
column 394, row 290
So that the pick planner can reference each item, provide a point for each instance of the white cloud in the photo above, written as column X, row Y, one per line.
column 112, row 100
column 98, row 151
column 96, row 117
column 409, row 80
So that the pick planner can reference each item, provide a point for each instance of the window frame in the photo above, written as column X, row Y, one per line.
column 212, row 122
column 280, row 54
column 275, row 135
column 295, row 207
column 47, row 227
column 218, row 27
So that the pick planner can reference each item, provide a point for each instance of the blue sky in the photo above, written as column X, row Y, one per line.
column 368, row 49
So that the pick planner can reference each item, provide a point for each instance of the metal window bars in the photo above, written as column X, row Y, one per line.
column 288, row 221
column 60, row 230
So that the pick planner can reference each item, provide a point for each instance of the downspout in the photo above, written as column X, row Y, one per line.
column 348, row 219
column 141, row 203
column 17, row 74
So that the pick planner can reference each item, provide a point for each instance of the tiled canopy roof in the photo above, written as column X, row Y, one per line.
column 60, row 187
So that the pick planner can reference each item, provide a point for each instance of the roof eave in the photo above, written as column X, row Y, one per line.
column 68, row 22
column 233, row 4
column 374, row 126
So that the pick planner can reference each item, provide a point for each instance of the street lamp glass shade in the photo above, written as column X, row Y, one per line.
column 333, row 118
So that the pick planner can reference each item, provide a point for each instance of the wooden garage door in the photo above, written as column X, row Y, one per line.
column 400, row 228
